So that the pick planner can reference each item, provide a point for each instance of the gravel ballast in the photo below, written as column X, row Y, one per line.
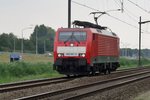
column 54, row 87
column 126, row 92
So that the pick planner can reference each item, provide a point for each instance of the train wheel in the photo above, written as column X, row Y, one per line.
column 76, row 75
column 109, row 68
column 109, row 71
column 105, row 68
column 93, row 71
column 105, row 71
column 68, row 76
column 100, row 70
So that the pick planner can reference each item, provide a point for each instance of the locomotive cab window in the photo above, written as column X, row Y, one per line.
column 72, row 36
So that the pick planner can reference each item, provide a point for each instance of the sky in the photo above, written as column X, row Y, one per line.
column 17, row 16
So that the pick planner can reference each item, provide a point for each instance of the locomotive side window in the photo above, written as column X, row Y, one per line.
column 72, row 36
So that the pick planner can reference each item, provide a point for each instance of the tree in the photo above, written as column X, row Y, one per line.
column 45, row 36
column 7, row 41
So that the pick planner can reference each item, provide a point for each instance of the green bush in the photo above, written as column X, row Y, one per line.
column 22, row 69
column 128, row 63
column 16, row 71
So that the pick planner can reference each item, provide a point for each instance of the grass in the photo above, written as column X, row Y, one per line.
column 10, row 72
column 27, row 57
column 132, row 63
column 29, row 77
column 30, row 67
column 40, row 66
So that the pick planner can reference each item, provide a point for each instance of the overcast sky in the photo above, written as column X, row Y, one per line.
column 15, row 15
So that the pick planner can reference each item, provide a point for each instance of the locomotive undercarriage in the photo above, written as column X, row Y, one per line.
column 104, row 64
column 105, row 68
column 72, row 66
column 76, row 66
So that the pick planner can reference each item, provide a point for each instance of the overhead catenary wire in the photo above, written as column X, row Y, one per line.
column 122, row 5
column 109, row 16
column 129, row 13
column 123, row 21
column 139, row 7
column 84, row 5
column 117, row 3
column 145, row 32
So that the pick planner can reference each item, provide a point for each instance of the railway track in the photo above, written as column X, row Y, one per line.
column 131, row 69
column 77, row 92
column 27, row 88
column 33, row 83
column 40, row 82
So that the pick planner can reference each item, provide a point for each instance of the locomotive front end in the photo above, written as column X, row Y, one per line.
column 70, row 51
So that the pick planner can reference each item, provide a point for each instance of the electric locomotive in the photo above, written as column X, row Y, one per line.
column 86, row 50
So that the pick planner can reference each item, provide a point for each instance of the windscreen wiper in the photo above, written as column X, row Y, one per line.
column 76, row 39
column 68, row 38
column 72, row 37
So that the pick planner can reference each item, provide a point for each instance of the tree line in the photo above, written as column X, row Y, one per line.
column 134, row 53
column 45, row 39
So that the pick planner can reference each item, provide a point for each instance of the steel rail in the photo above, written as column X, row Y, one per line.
column 34, row 83
column 41, row 82
column 76, row 97
column 51, row 79
column 75, row 92
column 28, row 82
column 131, row 69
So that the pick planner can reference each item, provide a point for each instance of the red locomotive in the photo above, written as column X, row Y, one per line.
column 85, row 50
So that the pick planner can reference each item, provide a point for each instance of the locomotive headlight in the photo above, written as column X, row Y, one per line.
column 82, row 54
column 60, row 54
column 71, row 45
